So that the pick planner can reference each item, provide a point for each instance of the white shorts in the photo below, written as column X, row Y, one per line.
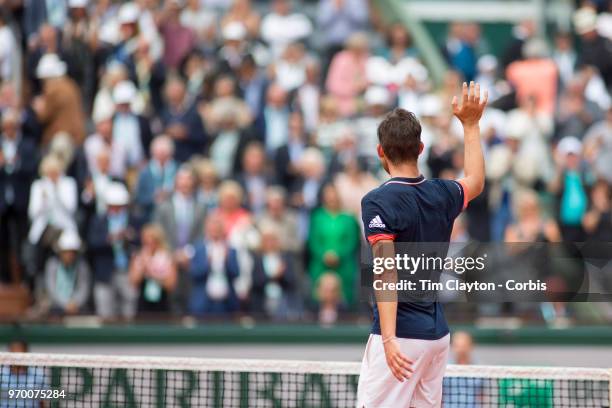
column 378, row 388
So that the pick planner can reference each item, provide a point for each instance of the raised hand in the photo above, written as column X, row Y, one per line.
column 472, row 106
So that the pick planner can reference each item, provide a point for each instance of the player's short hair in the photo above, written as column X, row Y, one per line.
column 399, row 135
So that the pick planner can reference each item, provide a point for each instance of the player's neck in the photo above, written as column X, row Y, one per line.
column 406, row 170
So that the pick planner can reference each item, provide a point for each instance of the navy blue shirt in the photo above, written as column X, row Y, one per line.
column 413, row 210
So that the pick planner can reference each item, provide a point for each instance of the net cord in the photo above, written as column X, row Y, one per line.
column 290, row 366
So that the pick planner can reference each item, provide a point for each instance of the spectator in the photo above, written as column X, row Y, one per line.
column 377, row 101
column 570, row 186
column 329, row 297
column 521, row 34
column 255, row 177
column 594, row 49
column 51, row 209
column 575, row 113
column 156, row 180
column 288, row 156
column 461, row 48
column 274, row 278
column 289, row 69
column 225, row 104
column 281, row 27
column 213, row 269
column 530, row 225
column 396, row 63
column 333, row 243
column 18, row 165
column 207, row 191
column 92, row 196
column 201, row 20
column 178, row 39
column 67, row 277
column 338, row 20
column 346, row 79
column 59, row 108
column 253, row 85
column 565, row 57
column 179, row 216
column 283, row 219
column 130, row 131
column 352, row 183
column 153, row 271
column 242, row 12
column 308, row 95
column 597, row 222
column 230, row 212
column 535, row 76
column 182, row 122
column 10, row 56
column 103, row 140
column 306, row 191
column 276, row 114
column 109, row 238
column 598, row 147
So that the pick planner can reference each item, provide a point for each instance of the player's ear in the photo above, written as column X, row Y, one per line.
column 380, row 151
column 421, row 147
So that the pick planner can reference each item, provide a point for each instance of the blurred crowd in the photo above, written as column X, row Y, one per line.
column 208, row 157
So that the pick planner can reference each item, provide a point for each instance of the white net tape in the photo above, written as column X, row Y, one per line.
column 288, row 366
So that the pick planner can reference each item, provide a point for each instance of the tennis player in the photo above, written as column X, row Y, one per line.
column 406, row 354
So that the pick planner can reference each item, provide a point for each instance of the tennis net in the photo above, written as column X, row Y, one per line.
column 121, row 381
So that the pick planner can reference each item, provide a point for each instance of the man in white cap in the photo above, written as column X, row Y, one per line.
column 59, row 108
column 130, row 130
column 570, row 185
column 594, row 49
column 108, row 238
column 377, row 101
column 67, row 276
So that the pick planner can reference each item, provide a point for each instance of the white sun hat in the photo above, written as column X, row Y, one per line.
column 124, row 92
column 116, row 194
column 69, row 241
column 50, row 66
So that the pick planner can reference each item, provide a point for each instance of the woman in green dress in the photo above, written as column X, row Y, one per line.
column 333, row 243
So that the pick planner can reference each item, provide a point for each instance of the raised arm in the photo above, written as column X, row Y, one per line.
column 469, row 113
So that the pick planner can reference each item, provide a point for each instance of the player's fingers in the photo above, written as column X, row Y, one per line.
column 405, row 366
column 477, row 93
column 402, row 372
column 455, row 104
column 406, row 360
column 464, row 93
column 471, row 92
column 396, row 372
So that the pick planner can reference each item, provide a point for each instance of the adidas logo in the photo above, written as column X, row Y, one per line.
column 377, row 223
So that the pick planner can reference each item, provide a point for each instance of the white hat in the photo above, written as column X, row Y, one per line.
column 430, row 106
column 128, row 13
column 234, row 31
column 77, row 3
column 50, row 66
column 377, row 95
column 487, row 62
column 69, row 241
column 124, row 92
column 570, row 145
column 103, row 111
column 585, row 20
column 116, row 194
